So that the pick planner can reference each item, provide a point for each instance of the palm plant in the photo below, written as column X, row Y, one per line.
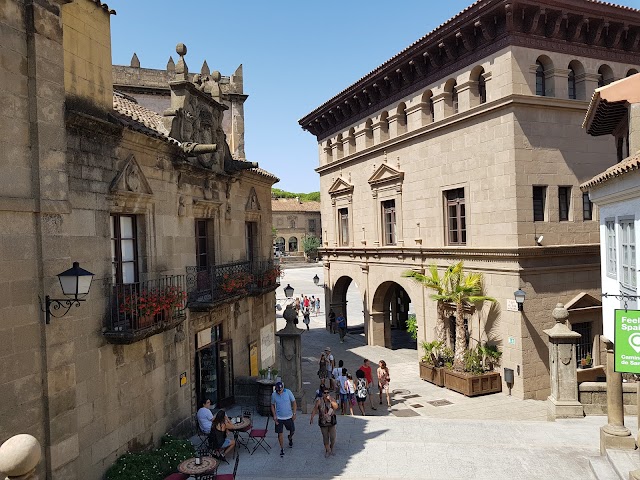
column 461, row 289
column 433, row 281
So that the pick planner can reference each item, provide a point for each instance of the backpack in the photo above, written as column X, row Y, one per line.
column 361, row 389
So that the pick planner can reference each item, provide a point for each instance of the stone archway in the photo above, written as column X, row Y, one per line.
column 280, row 244
column 293, row 244
column 390, row 308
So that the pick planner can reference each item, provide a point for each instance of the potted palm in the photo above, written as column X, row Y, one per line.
column 432, row 363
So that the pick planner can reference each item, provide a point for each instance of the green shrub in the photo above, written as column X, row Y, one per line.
column 153, row 465
column 412, row 326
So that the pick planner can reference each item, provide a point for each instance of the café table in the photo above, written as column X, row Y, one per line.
column 244, row 423
column 207, row 466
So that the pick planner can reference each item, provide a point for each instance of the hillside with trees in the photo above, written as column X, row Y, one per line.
column 304, row 197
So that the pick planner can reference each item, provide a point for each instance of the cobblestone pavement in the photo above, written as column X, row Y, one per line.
column 490, row 437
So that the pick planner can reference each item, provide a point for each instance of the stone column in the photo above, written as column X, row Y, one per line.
column 364, row 137
column 418, row 115
column 563, row 401
column 614, row 434
column 19, row 457
column 291, row 353
column 376, row 217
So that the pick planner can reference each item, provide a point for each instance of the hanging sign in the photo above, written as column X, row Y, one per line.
column 626, row 340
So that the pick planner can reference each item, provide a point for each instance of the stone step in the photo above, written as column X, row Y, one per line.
column 624, row 461
column 602, row 469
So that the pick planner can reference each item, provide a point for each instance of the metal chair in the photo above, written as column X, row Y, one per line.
column 202, row 436
column 243, row 437
column 229, row 476
column 259, row 436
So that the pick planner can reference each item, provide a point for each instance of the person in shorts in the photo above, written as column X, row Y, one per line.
column 366, row 368
column 332, row 321
column 283, row 410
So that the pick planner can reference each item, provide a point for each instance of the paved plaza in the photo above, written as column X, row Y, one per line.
column 490, row 437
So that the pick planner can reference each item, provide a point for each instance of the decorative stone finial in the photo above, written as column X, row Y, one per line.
column 182, row 71
column 19, row 456
column 398, row 163
column 560, row 314
column 171, row 66
column 205, row 69
column 135, row 63
column 385, row 156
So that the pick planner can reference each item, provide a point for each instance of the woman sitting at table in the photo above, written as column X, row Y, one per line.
column 218, row 437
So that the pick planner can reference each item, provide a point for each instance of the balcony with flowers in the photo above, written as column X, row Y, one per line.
column 139, row 310
column 207, row 287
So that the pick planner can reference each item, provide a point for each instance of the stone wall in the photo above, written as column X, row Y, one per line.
column 593, row 396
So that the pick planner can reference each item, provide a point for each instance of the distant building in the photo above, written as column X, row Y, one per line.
column 176, row 230
column 615, row 111
column 467, row 145
column 294, row 220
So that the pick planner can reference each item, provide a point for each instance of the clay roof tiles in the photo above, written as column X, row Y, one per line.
column 293, row 205
column 628, row 165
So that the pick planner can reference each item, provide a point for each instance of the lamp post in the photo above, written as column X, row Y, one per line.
column 288, row 291
column 520, row 296
column 316, row 280
column 75, row 283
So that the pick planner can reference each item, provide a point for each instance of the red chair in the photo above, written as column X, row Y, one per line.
column 177, row 476
column 230, row 476
column 259, row 435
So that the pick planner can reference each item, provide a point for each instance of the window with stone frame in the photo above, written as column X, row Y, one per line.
column 611, row 248
column 456, row 217
column 628, row 253
column 205, row 249
column 389, row 222
column 587, row 207
column 343, row 220
column 584, row 345
column 124, row 249
column 564, row 203
column 312, row 224
column 539, row 201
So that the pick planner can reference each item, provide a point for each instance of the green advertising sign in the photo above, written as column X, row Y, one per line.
column 626, row 341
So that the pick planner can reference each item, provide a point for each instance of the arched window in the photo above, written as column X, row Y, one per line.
column 431, row 109
column 540, row 79
column 482, row 89
column 633, row 71
column 572, row 84
column 479, row 96
column 605, row 75
column 454, row 98
column 293, row 244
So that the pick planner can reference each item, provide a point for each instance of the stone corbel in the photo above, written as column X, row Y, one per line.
column 205, row 208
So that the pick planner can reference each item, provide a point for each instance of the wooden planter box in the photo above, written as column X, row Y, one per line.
column 432, row 374
column 471, row 385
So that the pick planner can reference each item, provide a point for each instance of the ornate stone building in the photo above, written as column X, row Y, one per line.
column 294, row 221
column 467, row 145
column 175, row 228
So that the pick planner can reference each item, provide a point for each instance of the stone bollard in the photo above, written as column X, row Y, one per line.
column 291, row 354
column 563, row 401
column 19, row 457
column 614, row 434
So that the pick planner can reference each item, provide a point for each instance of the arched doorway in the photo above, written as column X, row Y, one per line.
column 280, row 244
column 293, row 244
column 389, row 314
column 346, row 298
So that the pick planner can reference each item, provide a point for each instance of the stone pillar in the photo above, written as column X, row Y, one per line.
column 364, row 137
column 336, row 149
column 559, row 78
column 563, row 401
column 291, row 353
column 614, row 434
column 376, row 217
column 468, row 96
column 348, row 144
column 442, row 107
column 418, row 115
column 19, row 457
column 380, row 129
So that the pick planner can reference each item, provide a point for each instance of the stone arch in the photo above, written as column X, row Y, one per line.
column 339, row 301
column 451, row 99
column 477, row 75
column 389, row 307
column 401, row 118
column 280, row 244
column 337, row 147
column 605, row 75
column 575, row 81
column 427, row 97
column 292, row 244
column 544, row 76
column 631, row 71
column 328, row 151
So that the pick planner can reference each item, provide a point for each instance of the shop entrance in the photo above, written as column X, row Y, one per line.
column 214, row 367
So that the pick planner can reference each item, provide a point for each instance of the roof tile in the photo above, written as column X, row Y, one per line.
column 617, row 170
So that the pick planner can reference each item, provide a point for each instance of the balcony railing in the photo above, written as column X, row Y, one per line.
column 139, row 310
column 208, row 286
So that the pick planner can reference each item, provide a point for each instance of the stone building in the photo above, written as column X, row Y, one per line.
column 176, row 230
column 467, row 145
column 294, row 221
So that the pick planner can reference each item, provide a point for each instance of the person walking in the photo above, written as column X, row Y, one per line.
column 366, row 368
column 283, row 410
column 342, row 381
column 306, row 317
column 312, row 303
column 335, row 373
column 326, row 408
column 350, row 389
column 383, row 381
column 331, row 363
column 342, row 326
column 322, row 369
column 305, row 302
column 332, row 321
column 317, row 306
column 361, row 390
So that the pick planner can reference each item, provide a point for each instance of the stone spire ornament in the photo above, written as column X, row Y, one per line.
column 171, row 66
column 135, row 62
column 182, row 71
column 205, row 69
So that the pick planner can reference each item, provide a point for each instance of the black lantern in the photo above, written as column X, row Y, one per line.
column 288, row 291
column 75, row 284
column 316, row 279
column 520, row 296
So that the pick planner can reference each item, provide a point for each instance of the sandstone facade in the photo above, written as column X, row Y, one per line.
column 440, row 154
column 99, row 382
column 293, row 221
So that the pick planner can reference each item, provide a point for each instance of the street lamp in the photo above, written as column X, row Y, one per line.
column 75, row 283
column 316, row 280
column 288, row 291
column 520, row 296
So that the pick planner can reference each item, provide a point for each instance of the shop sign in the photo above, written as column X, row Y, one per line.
column 626, row 340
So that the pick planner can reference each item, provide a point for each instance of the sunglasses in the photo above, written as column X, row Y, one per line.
column 326, row 393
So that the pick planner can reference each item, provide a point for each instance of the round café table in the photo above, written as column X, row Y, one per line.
column 207, row 466
column 237, row 428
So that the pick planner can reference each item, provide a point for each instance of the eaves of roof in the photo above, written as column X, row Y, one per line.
column 618, row 170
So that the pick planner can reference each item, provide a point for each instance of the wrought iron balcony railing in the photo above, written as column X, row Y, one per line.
column 207, row 286
column 139, row 310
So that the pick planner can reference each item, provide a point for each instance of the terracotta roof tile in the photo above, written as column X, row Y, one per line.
column 293, row 205
column 619, row 169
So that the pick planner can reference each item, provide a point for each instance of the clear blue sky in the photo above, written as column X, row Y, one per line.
column 296, row 55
